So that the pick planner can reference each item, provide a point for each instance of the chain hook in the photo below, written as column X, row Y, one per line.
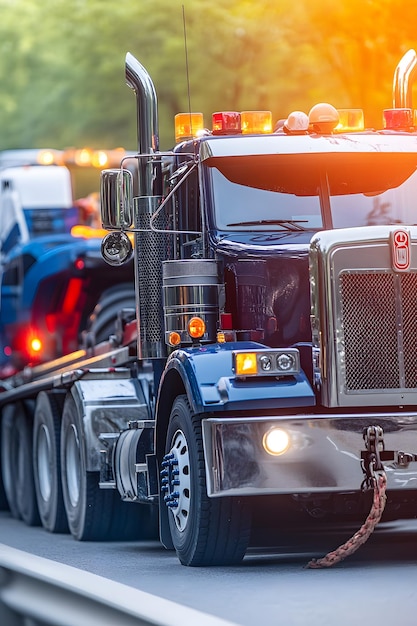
column 371, row 462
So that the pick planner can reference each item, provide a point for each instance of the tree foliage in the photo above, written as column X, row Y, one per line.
column 62, row 62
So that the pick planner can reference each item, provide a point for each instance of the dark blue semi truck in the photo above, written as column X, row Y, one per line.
column 269, row 373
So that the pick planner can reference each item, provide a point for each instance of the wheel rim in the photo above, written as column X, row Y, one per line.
column 72, row 465
column 179, row 493
column 44, row 463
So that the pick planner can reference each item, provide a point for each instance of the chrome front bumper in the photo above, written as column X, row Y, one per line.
column 324, row 454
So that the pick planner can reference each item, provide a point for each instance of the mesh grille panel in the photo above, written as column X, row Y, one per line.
column 370, row 331
column 409, row 315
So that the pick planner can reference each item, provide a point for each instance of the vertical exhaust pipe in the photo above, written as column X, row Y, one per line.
column 403, row 80
column 138, row 79
column 150, row 246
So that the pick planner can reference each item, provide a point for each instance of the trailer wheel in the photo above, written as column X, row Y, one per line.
column 86, row 520
column 102, row 321
column 46, row 461
column 95, row 514
column 26, row 495
column 9, row 452
column 204, row 531
column 16, row 458
column 4, row 505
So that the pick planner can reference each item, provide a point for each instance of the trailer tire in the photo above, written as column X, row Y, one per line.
column 102, row 321
column 204, row 531
column 4, row 505
column 9, row 453
column 46, row 461
column 17, row 465
column 95, row 514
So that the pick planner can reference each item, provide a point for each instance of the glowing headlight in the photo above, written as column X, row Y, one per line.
column 276, row 441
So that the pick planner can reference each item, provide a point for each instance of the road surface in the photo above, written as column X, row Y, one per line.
column 376, row 585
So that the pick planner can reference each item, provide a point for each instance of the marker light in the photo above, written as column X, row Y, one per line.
column 100, row 158
column 188, row 126
column 196, row 327
column 323, row 117
column 107, row 158
column 350, row 120
column 174, row 339
column 398, row 119
column 88, row 232
column 226, row 123
column 276, row 441
column 256, row 122
column 246, row 363
column 49, row 157
column 82, row 157
column 297, row 123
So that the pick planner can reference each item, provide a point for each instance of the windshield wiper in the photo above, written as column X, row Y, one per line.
column 288, row 224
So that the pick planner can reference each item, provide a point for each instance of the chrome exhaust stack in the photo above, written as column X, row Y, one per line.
column 150, row 245
column 403, row 80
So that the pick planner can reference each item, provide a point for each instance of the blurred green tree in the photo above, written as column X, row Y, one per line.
column 62, row 62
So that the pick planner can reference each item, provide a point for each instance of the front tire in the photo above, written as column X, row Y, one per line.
column 204, row 531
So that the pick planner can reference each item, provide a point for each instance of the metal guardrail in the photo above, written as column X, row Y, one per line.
column 38, row 592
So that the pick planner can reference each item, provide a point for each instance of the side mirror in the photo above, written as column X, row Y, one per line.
column 116, row 198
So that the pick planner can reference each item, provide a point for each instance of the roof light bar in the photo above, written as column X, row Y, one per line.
column 188, row 126
column 226, row 123
column 398, row 119
column 256, row 122
column 350, row 120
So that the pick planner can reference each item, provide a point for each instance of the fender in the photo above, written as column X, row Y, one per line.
column 210, row 384
column 107, row 405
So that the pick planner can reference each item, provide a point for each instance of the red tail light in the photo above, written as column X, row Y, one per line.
column 35, row 345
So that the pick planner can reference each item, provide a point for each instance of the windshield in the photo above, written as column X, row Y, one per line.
column 313, row 191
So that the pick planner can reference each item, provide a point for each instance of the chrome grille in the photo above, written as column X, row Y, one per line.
column 409, row 319
column 379, row 330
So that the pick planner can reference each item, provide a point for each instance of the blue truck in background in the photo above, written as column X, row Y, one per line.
column 54, row 283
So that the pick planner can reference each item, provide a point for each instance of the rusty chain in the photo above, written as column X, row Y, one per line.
column 379, row 481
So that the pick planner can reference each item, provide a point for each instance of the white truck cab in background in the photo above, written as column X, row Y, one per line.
column 34, row 200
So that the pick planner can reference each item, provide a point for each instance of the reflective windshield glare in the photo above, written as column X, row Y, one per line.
column 280, row 192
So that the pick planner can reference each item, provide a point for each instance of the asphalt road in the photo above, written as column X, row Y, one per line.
column 376, row 585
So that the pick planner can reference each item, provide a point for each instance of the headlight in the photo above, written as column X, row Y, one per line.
column 276, row 441
column 286, row 362
column 279, row 362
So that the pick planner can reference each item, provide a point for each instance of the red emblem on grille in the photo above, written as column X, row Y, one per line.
column 400, row 248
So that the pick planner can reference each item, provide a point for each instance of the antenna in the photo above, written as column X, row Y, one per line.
column 186, row 66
